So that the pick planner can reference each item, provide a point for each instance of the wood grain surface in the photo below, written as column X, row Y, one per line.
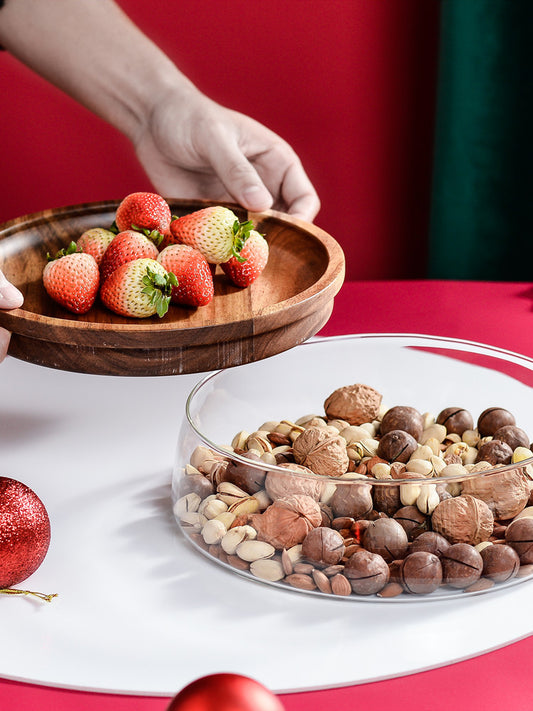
column 290, row 301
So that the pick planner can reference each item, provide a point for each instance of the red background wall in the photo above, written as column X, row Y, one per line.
column 349, row 83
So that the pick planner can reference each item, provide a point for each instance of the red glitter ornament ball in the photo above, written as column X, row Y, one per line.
column 24, row 532
column 225, row 692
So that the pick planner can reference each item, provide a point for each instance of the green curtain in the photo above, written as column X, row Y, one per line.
column 482, row 199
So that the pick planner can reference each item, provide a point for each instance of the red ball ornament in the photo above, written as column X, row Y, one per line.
column 24, row 532
column 225, row 692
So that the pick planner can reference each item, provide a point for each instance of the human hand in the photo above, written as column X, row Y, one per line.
column 199, row 149
column 10, row 298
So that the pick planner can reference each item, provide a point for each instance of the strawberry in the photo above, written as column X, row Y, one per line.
column 95, row 242
column 72, row 278
column 143, row 211
column 214, row 231
column 125, row 247
column 195, row 281
column 139, row 288
column 255, row 256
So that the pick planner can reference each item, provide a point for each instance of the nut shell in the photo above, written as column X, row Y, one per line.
column 463, row 519
column 287, row 521
column 322, row 452
column 355, row 404
column 280, row 484
column 506, row 493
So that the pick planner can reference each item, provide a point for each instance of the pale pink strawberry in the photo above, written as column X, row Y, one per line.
column 195, row 281
column 253, row 259
column 139, row 288
column 125, row 247
column 214, row 231
column 72, row 278
column 95, row 241
column 143, row 211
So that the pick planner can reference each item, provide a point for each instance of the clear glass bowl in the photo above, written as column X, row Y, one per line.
column 279, row 487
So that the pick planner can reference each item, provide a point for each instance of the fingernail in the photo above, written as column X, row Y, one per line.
column 257, row 197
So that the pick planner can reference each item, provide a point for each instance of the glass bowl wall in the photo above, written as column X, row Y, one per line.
column 354, row 536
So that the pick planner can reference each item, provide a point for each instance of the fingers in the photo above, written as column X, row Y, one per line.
column 10, row 296
column 239, row 177
column 4, row 343
column 299, row 194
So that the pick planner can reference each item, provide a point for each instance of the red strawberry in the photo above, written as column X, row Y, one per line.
column 195, row 281
column 125, row 247
column 255, row 256
column 95, row 242
column 139, row 288
column 143, row 211
column 72, row 278
column 214, row 231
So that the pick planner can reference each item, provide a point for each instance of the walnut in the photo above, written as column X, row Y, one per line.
column 280, row 484
column 354, row 403
column 287, row 521
column 322, row 452
column 463, row 519
column 505, row 493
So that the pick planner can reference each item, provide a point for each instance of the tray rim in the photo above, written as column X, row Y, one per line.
column 329, row 282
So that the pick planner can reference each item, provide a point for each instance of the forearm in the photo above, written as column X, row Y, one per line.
column 93, row 52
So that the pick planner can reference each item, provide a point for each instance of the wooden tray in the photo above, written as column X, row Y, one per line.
column 288, row 303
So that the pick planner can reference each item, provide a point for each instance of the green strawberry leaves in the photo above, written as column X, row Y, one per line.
column 154, row 235
column 70, row 249
column 159, row 287
column 241, row 232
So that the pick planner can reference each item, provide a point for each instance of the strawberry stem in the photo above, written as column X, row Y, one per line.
column 71, row 249
column 16, row 591
column 241, row 232
column 159, row 288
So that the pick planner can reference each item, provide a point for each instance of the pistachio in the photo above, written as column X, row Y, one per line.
column 230, row 493
column 249, row 505
column 471, row 437
column 433, row 431
column 409, row 493
column 428, row 499
column 226, row 517
column 206, row 502
column 254, row 550
column 193, row 520
column 267, row 569
column 520, row 454
column 263, row 499
column 239, row 441
column 423, row 452
column 189, row 502
column 423, row 467
column 213, row 531
column 381, row 470
column 214, row 508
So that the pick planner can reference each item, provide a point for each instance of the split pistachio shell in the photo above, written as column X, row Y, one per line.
column 251, row 551
column 190, row 502
column 194, row 520
column 428, row 499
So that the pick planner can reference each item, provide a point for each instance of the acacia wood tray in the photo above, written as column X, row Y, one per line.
column 290, row 301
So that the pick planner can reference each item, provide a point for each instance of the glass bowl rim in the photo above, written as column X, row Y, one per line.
column 493, row 351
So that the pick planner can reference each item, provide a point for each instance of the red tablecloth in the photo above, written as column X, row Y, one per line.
column 494, row 313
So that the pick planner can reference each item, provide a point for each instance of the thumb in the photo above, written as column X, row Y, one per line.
column 10, row 296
